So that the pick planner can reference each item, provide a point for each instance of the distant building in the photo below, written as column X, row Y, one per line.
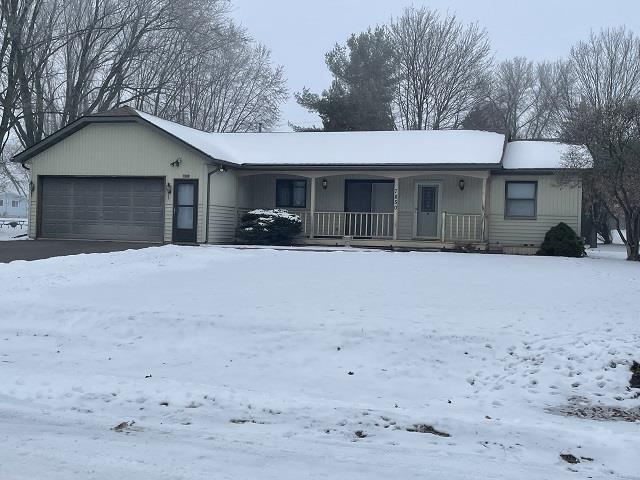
column 13, row 205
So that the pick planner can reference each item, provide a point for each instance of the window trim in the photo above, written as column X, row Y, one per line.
column 15, row 203
column 290, row 181
column 506, row 201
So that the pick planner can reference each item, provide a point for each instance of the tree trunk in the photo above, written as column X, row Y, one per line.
column 633, row 238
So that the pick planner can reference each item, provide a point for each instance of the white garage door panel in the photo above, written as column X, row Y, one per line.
column 103, row 208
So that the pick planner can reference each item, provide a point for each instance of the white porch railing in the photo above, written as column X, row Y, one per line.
column 354, row 224
column 462, row 227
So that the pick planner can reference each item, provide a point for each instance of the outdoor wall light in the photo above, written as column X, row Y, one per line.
column 177, row 162
column 168, row 189
column 461, row 184
column 325, row 184
column 32, row 187
column 221, row 169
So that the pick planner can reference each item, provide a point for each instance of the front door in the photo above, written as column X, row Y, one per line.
column 428, row 211
column 185, row 211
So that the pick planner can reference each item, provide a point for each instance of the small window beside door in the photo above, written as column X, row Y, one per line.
column 291, row 193
column 521, row 200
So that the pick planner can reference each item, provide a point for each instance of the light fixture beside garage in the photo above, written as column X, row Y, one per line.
column 325, row 183
column 168, row 189
column 177, row 162
column 461, row 184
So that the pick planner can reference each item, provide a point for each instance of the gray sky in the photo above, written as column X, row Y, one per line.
column 300, row 32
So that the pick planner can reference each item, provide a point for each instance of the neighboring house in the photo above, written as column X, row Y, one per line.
column 127, row 175
column 13, row 205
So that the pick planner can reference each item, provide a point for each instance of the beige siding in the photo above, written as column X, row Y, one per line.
column 556, row 204
column 124, row 149
column 223, row 213
column 259, row 191
column 453, row 200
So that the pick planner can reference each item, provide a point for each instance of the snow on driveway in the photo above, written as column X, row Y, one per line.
column 229, row 363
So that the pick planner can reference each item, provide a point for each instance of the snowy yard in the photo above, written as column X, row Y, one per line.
column 8, row 232
column 272, row 364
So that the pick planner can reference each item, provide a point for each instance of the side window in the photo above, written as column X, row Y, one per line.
column 291, row 193
column 15, row 203
column 521, row 200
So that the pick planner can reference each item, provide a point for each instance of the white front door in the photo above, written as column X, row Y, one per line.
column 427, row 221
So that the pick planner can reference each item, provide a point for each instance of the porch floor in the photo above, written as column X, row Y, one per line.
column 426, row 245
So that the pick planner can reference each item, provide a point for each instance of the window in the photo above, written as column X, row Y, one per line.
column 521, row 199
column 15, row 203
column 291, row 193
column 1, row 203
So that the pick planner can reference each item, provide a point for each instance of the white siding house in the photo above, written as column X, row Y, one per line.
column 13, row 205
column 128, row 175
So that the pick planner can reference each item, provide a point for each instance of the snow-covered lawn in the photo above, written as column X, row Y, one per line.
column 8, row 232
column 290, row 364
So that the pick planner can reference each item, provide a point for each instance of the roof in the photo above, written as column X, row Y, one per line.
column 343, row 148
column 435, row 148
column 537, row 155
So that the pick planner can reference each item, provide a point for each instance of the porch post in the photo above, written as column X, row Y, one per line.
column 484, row 209
column 396, row 190
column 312, row 207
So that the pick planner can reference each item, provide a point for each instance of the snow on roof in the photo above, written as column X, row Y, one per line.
column 534, row 154
column 196, row 138
column 343, row 148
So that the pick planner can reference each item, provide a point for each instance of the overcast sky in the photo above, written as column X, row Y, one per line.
column 300, row 32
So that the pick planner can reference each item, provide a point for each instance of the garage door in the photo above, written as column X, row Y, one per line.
column 103, row 208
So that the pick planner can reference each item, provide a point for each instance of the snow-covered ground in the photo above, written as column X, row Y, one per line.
column 8, row 232
column 286, row 364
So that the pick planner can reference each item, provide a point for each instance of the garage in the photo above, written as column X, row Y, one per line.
column 102, row 208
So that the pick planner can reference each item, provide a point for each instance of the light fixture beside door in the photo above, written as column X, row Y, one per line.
column 461, row 184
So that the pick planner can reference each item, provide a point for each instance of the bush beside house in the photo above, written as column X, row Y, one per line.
column 269, row 227
column 562, row 241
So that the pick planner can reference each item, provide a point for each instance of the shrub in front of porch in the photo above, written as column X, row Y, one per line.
column 269, row 227
column 562, row 241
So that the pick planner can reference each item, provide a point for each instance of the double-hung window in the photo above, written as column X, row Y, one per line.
column 15, row 203
column 521, row 200
column 291, row 193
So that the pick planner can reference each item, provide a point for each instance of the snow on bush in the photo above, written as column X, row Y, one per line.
column 269, row 227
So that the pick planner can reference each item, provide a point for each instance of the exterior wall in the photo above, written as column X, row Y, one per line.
column 122, row 149
column 556, row 204
column 223, row 214
column 7, row 210
column 452, row 199
column 259, row 191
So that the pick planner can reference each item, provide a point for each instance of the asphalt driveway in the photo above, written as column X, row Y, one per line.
column 39, row 249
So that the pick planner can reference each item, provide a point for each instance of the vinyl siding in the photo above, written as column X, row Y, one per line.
column 555, row 203
column 453, row 200
column 259, row 191
column 123, row 149
column 223, row 213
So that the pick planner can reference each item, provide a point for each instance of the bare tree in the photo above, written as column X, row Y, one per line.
column 443, row 69
column 606, row 118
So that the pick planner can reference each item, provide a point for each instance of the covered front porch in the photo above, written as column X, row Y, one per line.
column 398, row 209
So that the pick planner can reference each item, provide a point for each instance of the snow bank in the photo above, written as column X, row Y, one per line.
column 310, row 364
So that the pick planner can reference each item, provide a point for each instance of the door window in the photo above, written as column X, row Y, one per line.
column 428, row 200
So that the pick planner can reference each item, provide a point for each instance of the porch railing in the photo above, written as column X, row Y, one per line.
column 354, row 224
column 462, row 227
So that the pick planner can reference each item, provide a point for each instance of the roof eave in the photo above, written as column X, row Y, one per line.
column 371, row 166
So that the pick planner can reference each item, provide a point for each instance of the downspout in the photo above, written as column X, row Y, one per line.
column 206, row 227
